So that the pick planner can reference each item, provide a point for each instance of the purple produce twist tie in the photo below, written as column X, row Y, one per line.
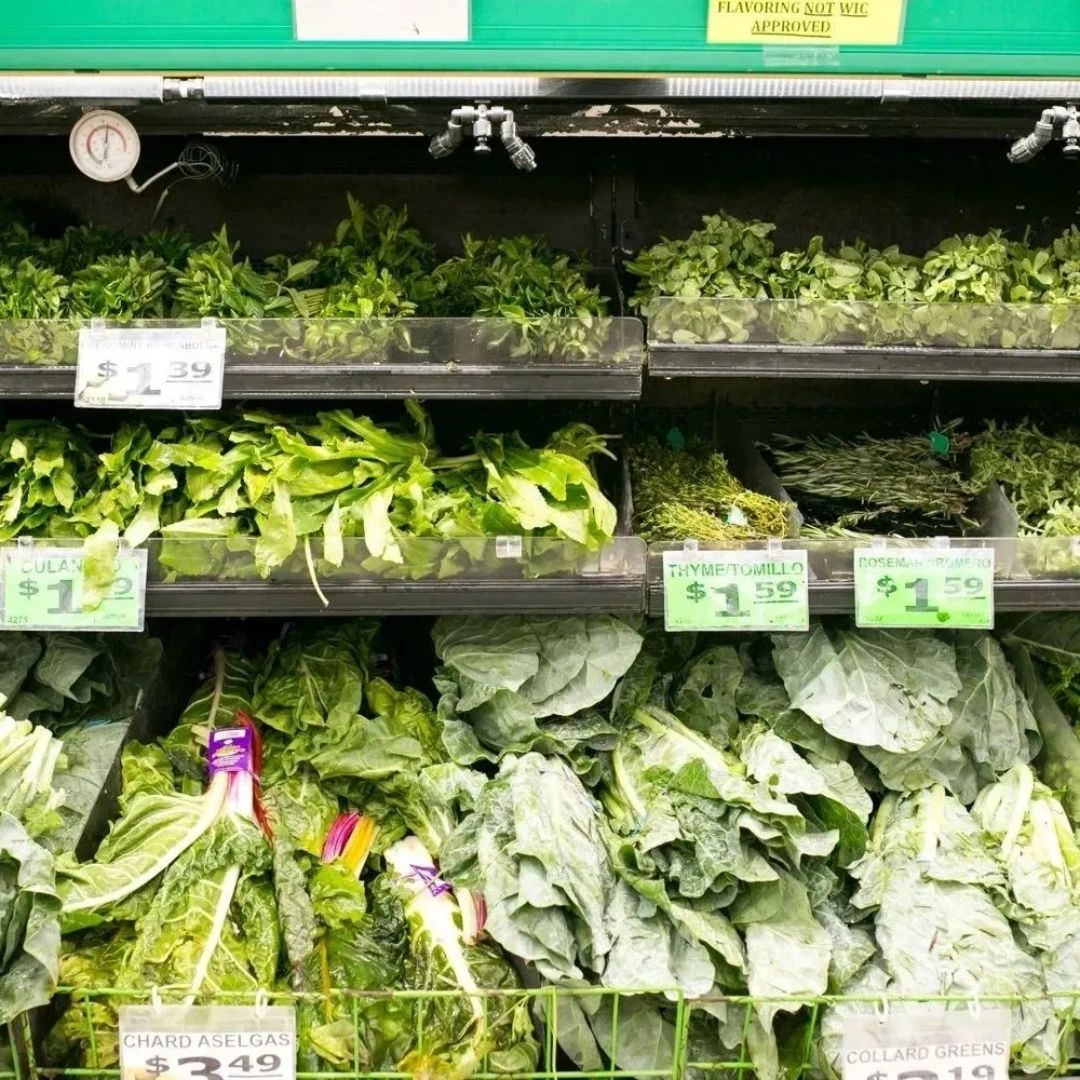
column 429, row 875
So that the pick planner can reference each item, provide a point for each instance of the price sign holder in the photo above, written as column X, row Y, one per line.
column 134, row 367
column 928, row 587
column 41, row 588
column 737, row 589
column 208, row 1042
column 928, row 1044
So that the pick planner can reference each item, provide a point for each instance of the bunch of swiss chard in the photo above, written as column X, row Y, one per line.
column 312, row 869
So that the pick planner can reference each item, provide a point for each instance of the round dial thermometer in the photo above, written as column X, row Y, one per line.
column 105, row 146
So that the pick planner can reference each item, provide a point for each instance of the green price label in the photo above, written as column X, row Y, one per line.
column 43, row 590
column 736, row 590
column 926, row 587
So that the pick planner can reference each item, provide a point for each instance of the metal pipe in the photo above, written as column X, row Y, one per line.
column 1023, row 150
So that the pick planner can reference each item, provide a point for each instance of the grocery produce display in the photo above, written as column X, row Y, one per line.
column 714, row 834
column 668, row 732
column 244, row 494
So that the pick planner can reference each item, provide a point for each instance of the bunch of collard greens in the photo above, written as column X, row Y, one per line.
column 808, row 814
column 207, row 485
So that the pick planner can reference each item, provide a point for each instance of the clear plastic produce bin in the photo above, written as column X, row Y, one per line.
column 811, row 322
column 608, row 340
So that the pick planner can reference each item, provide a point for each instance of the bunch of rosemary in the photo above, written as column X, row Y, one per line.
column 690, row 493
column 900, row 486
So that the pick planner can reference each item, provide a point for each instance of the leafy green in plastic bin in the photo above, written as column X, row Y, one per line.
column 244, row 494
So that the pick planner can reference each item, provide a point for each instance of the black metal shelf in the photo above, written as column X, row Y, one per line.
column 856, row 362
column 838, row 597
column 253, row 380
column 616, row 594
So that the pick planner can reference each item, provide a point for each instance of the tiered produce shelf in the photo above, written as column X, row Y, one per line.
column 375, row 358
column 472, row 574
column 833, row 339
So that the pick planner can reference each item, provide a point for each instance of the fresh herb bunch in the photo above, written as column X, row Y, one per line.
column 122, row 287
column 710, row 274
column 1039, row 472
column 716, row 280
column 894, row 486
column 213, row 283
column 378, row 236
column 542, row 298
column 691, row 492
column 32, row 299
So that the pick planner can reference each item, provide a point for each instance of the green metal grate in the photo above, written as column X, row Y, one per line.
column 705, row 1039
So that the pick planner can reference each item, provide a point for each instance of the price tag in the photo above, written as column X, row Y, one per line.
column 931, row 1045
column 736, row 590
column 140, row 368
column 207, row 1042
column 43, row 590
column 925, row 587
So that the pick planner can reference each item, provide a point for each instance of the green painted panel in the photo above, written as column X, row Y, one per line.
column 963, row 37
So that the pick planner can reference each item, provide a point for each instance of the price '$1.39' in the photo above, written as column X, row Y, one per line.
column 150, row 367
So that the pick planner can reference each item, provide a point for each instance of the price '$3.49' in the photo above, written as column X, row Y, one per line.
column 207, row 1042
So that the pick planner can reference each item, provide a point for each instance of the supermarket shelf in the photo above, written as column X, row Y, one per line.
column 854, row 362
column 253, row 380
column 616, row 594
column 373, row 358
column 838, row 597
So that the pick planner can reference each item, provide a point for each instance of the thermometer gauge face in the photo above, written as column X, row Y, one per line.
column 105, row 146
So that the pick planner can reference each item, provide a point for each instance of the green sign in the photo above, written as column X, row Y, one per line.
column 736, row 590
column 925, row 587
column 43, row 590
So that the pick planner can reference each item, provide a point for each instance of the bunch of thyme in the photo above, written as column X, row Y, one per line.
column 691, row 493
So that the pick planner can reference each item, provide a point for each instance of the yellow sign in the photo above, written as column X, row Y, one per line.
column 805, row 22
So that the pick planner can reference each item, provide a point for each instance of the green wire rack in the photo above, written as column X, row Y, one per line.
column 683, row 1037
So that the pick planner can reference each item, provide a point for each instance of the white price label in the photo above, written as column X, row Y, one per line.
column 958, row 1044
column 207, row 1042
column 382, row 20
column 143, row 368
